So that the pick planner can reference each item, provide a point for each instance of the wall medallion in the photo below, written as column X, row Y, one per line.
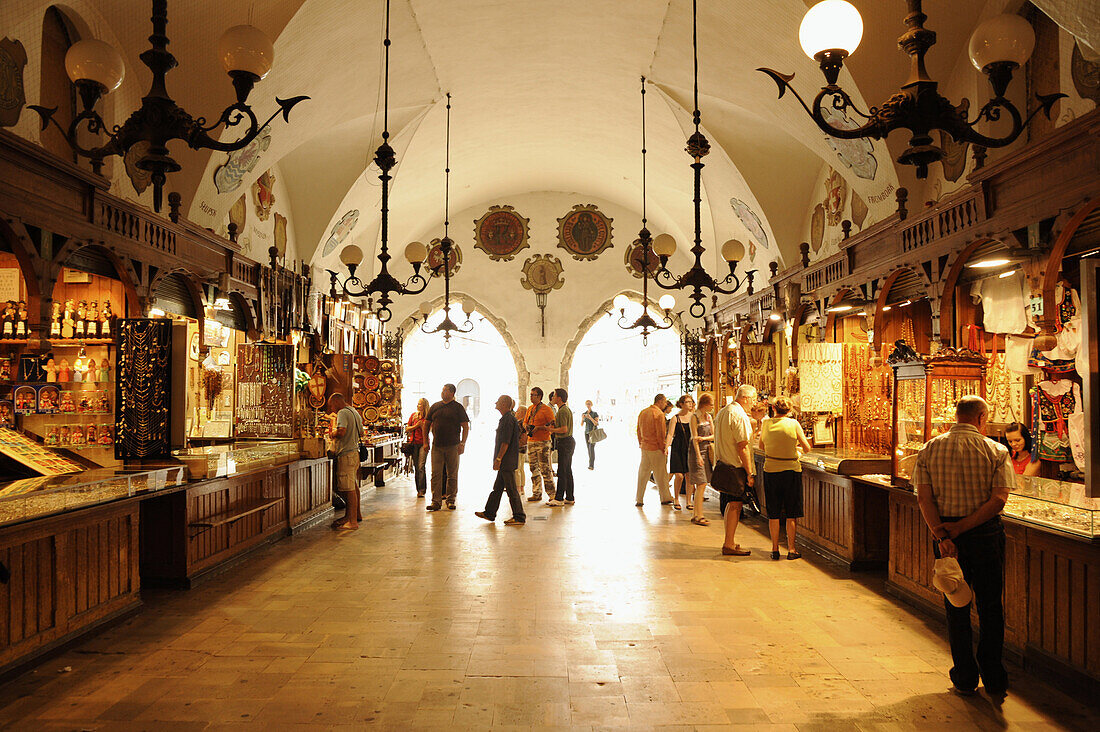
column 584, row 232
column 139, row 179
column 1085, row 75
column 542, row 273
column 634, row 258
column 836, row 193
column 340, row 231
column 13, row 57
column 280, row 234
column 750, row 220
column 435, row 257
column 856, row 154
column 228, row 177
column 817, row 227
column 501, row 233
column 263, row 194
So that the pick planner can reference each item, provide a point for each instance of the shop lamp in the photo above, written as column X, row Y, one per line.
column 96, row 69
column 448, row 326
column 1007, row 273
column 645, row 321
column 831, row 31
column 157, row 313
column 697, row 278
column 775, row 317
column 385, row 284
column 990, row 263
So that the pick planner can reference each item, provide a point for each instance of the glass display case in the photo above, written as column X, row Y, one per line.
column 33, row 498
column 842, row 461
column 1054, row 504
column 925, row 393
column 217, row 461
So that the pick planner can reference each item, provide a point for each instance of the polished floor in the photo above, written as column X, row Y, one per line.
column 591, row 616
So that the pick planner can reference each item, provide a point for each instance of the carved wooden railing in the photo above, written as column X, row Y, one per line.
column 825, row 273
column 134, row 224
column 945, row 219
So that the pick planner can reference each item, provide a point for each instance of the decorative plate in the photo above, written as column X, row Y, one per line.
column 371, row 382
column 317, row 401
column 500, row 233
column 370, row 414
column 388, row 393
column 584, row 232
column 387, row 367
column 388, row 379
column 385, row 411
column 373, row 398
column 359, row 399
column 371, row 365
column 360, row 363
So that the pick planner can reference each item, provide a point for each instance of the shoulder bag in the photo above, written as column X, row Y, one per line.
column 597, row 435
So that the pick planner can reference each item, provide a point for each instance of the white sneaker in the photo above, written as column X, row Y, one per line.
column 553, row 502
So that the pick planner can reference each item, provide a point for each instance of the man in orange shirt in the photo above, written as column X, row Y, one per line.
column 651, row 438
column 536, row 423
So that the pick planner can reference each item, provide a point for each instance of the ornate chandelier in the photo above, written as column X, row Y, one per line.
column 697, row 278
column 831, row 31
column 97, row 69
column 645, row 321
column 384, row 284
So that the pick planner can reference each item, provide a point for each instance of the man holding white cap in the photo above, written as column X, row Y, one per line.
column 962, row 480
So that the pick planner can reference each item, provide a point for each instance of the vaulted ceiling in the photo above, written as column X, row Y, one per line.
column 545, row 96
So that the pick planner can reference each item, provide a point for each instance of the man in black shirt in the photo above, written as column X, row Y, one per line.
column 446, row 428
column 505, row 462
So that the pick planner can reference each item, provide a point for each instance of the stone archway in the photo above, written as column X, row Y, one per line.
column 606, row 308
column 523, row 376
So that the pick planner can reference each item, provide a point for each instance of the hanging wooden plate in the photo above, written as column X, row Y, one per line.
column 370, row 414
column 388, row 379
column 388, row 393
column 373, row 398
column 371, row 365
column 360, row 363
column 359, row 399
column 371, row 382
column 387, row 367
column 385, row 411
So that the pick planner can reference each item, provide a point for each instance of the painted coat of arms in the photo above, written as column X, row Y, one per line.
column 635, row 259
column 750, row 220
column 228, row 177
column 500, row 233
column 263, row 194
column 435, row 257
column 836, row 194
column 542, row 273
column 340, row 231
column 584, row 232
column 280, row 234
column 13, row 57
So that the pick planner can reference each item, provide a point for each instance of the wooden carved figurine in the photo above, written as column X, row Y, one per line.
column 21, row 320
column 104, row 371
column 105, row 318
column 68, row 324
column 68, row 406
column 91, row 329
column 90, row 436
column 7, row 330
column 81, row 314
column 105, row 435
column 64, row 371
column 55, row 321
column 51, row 371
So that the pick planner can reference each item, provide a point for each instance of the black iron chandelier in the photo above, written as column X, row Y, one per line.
column 831, row 31
column 447, row 326
column 384, row 284
column 97, row 69
column 697, row 278
column 645, row 321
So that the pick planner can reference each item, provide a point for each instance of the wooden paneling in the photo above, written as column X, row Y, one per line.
column 218, row 500
column 827, row 503
column 911, row 559
column 68, row 574
column 309, row 491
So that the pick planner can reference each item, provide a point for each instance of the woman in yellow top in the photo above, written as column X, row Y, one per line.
column 780, row 438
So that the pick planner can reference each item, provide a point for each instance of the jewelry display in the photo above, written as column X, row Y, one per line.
column 265, row 390
column 142, row 388
column 760, row 367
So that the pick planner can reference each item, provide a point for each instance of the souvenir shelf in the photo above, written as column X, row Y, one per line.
column 925, row 392
column 265, row 390
column 218, row 461
column 1054, row 504
column 33, row 498
column 376, row 390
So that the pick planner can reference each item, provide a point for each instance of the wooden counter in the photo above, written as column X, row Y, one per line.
column 1051, row 601
column 70, row 573
column 309, row 493
column 844, row 520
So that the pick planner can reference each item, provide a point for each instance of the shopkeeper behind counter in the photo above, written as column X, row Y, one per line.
column 1018, row 438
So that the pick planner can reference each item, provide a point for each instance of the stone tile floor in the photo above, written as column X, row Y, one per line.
column 601, row 615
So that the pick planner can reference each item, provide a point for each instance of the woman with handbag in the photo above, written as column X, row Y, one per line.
column 699, row 458
column 591, row 422
column 415, row 446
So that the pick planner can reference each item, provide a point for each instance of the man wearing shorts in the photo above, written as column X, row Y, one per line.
column 348, row 433
column 734, row 473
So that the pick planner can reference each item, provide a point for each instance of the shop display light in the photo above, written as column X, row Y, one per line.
column 645, row 321
column 831, row 31
column 384, row 284
column 697, row 278
column 97, row 69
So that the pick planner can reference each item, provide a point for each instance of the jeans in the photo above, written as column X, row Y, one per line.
column 566, row 447
column 538, row 457
column 444, row 458
column 420, row 475
column 505, row 483
column 591, row 453
column 982, row 558
column 653, row 461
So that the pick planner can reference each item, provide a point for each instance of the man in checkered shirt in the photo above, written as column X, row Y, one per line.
column 962, row 480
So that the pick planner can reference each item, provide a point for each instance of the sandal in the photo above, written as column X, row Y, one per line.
column 700, row 521
column 677, row 507
column 691, row 507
